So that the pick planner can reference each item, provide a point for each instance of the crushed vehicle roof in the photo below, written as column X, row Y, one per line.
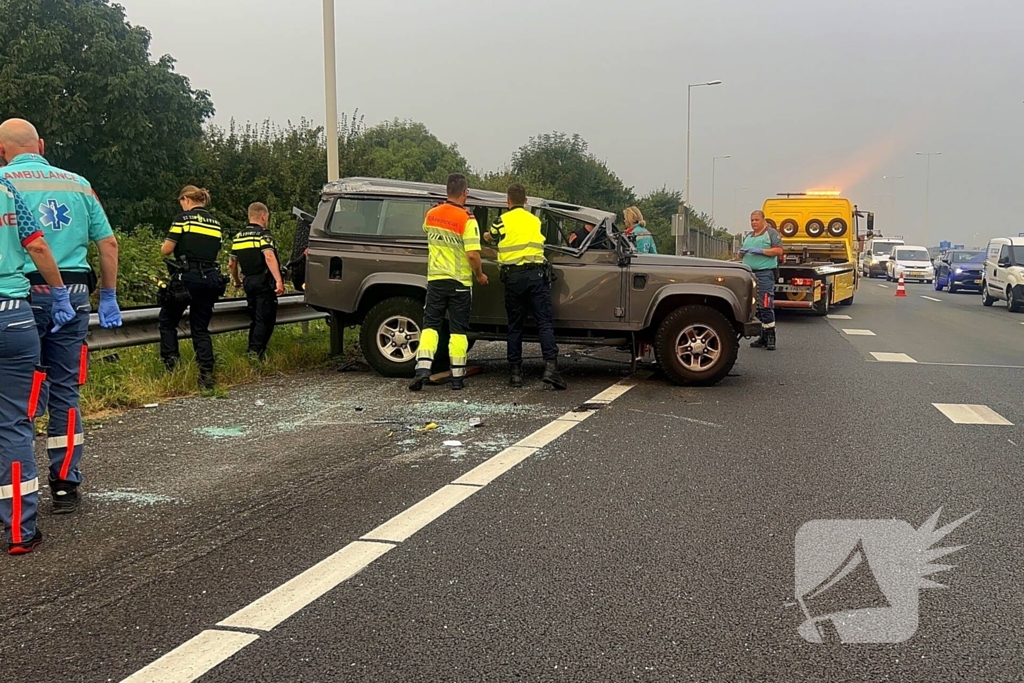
column 403, row 188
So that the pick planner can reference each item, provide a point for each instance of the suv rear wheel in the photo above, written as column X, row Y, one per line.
column 696, row 345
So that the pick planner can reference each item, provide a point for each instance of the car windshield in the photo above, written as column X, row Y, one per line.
column 884, row 248
column 912, row 255
column 967, row 256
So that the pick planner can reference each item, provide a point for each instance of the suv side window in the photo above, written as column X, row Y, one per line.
column 355, row 217
column 404, row 219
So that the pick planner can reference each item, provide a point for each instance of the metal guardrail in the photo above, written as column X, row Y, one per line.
column 141, row 325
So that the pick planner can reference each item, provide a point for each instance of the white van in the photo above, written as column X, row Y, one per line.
column 913, row 263
column 876, row 255
column 1004, row 273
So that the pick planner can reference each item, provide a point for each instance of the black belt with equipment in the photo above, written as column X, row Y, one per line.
column 544, row 269
column 69, row 277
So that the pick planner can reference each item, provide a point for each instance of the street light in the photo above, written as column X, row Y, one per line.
column 686, row 198
column 927, row 187
column 713, row 161
column 331, row 92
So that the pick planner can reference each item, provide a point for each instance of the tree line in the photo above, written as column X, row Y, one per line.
column 139, row 131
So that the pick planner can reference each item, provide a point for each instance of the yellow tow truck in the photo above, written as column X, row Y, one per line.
column 821, row 239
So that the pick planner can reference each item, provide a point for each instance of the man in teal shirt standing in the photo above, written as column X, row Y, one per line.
column 71, row 216
column 761, row 251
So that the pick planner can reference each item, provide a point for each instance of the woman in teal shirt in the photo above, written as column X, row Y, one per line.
column 636, row 229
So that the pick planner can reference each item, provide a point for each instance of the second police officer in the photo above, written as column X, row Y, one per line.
column 255, row 267
column 526, row 274
column 195, row 240
column 72, row 217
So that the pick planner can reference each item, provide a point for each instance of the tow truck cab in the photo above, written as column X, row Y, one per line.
column 820, row 236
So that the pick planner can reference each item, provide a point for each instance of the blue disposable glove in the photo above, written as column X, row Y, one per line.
column 759, row 252
column 61, row 313
column 743, row 252
column 110, row 314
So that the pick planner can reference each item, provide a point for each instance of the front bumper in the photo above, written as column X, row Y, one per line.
column 918, row 275
column 876, row 270
column 966, row 281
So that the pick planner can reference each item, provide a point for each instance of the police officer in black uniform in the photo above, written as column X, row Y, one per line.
column 196, row 283
column 254, row 254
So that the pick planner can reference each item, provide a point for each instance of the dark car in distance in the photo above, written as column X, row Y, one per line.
column 960, row 269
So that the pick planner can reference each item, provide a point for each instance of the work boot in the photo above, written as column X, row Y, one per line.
column 458, row 383
column 515, row 378
column 171, row 364
column 769, row 342
column 65, row 497
column 25, row 547
column 552, row 377
column 206, row 380
column 759, row 343
column 421, row 378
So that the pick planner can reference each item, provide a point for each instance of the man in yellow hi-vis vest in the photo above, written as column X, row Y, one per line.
column 525, row 272
column 453, row 238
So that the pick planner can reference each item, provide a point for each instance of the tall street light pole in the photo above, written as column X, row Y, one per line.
column 713, row 161
column 927, row 189
column 331, row 92
column 686, row 196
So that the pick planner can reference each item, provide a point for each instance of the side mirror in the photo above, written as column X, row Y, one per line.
column 1004, row 263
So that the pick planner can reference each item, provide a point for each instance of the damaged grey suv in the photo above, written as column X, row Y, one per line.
column 366, row 265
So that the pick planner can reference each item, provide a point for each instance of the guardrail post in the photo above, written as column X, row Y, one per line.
column 305, row 327
column 337, row 335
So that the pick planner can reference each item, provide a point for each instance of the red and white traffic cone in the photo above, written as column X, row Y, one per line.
column 901, row 289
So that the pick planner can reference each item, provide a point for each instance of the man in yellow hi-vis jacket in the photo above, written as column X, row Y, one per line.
column 519, row 241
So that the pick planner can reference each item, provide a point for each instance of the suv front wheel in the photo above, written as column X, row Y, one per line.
column 696, row 345
column 390, row 335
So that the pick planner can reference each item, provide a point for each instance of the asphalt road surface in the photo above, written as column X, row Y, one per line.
column 312, row 529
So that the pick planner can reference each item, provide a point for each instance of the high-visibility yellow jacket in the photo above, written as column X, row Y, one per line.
column 451, row 232
column 518, row 237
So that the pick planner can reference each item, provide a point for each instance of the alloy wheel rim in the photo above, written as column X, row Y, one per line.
column 698, row 347
column 398, row 338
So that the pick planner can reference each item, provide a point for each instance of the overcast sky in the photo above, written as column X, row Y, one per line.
column 815, row 94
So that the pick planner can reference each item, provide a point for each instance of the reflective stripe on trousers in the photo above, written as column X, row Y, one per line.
column 66, row 357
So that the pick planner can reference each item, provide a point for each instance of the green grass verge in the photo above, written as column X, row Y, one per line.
column 120, row 379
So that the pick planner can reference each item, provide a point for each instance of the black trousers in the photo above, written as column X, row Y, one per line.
column 262, row 304
column 527, row 291
column 451, row 297
column 204, row 289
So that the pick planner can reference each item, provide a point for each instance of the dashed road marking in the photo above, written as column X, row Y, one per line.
column 931, row 298
column 291, row 596
column 859, row 333
column 838, row 316
column 885, row 357
column 194, row 658
column 884, row 286
column 968, row 414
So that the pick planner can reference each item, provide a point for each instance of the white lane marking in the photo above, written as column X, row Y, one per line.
column 859, row 333
column 546, row 434
column 611, row 393
column 838, row 316
column 405, row 524
column 193, row 658
column 892, row 357
column 968, row 414
column 197, row 656
column 884, row 286
column 291, row 596
column 488, row 471
column 573, row 416
column 931, row 298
